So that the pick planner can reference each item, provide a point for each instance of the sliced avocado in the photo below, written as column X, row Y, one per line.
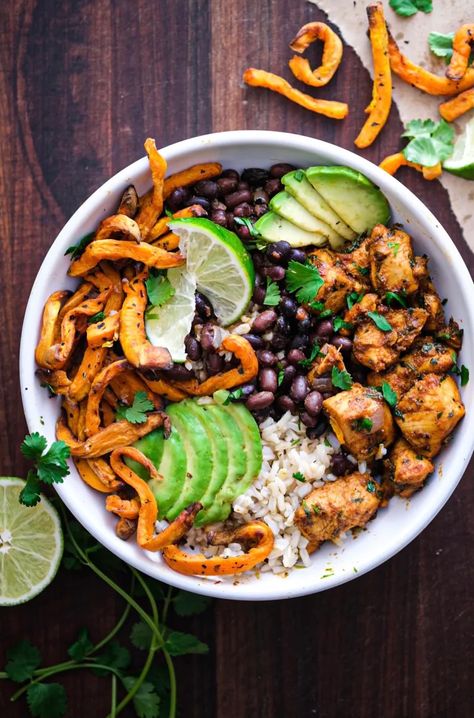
column 274, row 229
column 298, row 186
column 253, row 445
column 237, row 466
column 289, row 208
column 220, row 459
column 169, row 457
column 198, row 457
column 352, row 195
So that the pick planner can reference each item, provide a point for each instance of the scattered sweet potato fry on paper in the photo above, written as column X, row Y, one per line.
column 462, row 46
column 457, row 106
column 115, row 249
column 379, row 108
column 332, row 54
column 262, row 78
column 393, row 162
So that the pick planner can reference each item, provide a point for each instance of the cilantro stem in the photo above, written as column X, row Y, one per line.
column 167, row 603
column 113, row 700
column 53, row 671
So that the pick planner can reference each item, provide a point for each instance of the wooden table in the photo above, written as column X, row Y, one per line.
column 82, row 85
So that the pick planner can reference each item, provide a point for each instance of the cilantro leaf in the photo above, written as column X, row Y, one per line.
column 299, row 175
column 441, row 44
column 33, row 446
column 429, row 144
column 99, row 317
column 394, row 297
column 406, row 8
column 298, row 476
column 50, row 467
column 245, row 222
column 22, row 659
column 272, row 295
column 136, row 413
column 315, row 352
column 380, row 322
column 115, row 656
column 364, row 424
column 145, row 701
column 464, row 375
column 340, row 378
column 370, row 487
column 389, row 395
column 190, row 604
column 30, row 493
column 418, row 128
column 178, row 643
column 281, row 376
column 81, row 647
column 353, row 298
column 159, row 289
column 77, row 249
column 339, row 323
column 47, row 700
column 304, row 280
column 141, row 636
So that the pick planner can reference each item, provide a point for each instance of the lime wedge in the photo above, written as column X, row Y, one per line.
column 168, row 325
column 219, row 262
column 31, row 544
column 461, row 162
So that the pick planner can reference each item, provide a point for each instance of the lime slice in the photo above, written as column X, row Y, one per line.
column 31, row 544
column 220, row 263
column 461, row 162
column 168, row 325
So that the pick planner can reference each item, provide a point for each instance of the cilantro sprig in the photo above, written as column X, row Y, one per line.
column 272, row 294
column 159, row 289
column 441, row 45
column 304, row 280
column 341, row 378
column 137, row 412
column 406, row 8
column 50, row 466
column 430, row 142
column 75, row 250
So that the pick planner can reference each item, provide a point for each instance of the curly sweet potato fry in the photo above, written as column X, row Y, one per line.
column 191, row 175
column 125, row 508
column 462, row 45
column 98, row 387
column 457, row 106
column 126, row 385
column 152, row 205
column 120, row 433
column 379, row 108
column 128, row 202
column 164, row 388
column 49, row 328
column 95, row 475
column 115, row 249
column 422, row 79
column 195, row 210
column 71, row 411
column 332, row 54
column 198, row 565
column 393, row 162
column 105, row 331
column 136, row 347
column 148, row 512
column 57, row 380
column 262, row 78
column 91, row 362
column 119, row 226
column 168, row 241
column 107, row 413
column 83, row 292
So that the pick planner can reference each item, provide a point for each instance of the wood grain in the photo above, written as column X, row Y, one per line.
column 83, row 83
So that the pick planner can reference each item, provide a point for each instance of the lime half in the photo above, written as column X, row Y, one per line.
column 220, row 263
column 461, row 162
column 168, row 325
column 31, row 544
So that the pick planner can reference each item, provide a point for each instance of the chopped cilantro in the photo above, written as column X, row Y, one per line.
column 76, row 250
column 370, row 487
column 315, row 351
column 340, row 378
column 299, row 175
column 136, row 413
column 158, row 288
column 464, row 375
column 353, row 298
column 362, row 270
column 442, row 45
column 389, row 395
column 272, row 295
column 257, row 241
column 306, row 509
column 380, row 322
column 339, row 323
column 304, row 280
column 394, row 246
column 364, row 424
column 394, row 297
column 298, row 476
column 99, row 317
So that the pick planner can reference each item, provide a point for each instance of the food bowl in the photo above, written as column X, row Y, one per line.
column 395, row 526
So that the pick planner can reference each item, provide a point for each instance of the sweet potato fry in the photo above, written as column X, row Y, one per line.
column 99, row 385
column 152, row 206
column 422, row 79
column 126, row 385
column 114, row 249
column 168, row 241
column 393, row 162
column 379, row 108
column 119, row 226
column 462, row 45
column 457, row 106
column 256, row 532
column 136, row 347
column 195, row 210
column 191, row 175
column 91, row 363
column 107, row 413
column 83, row 292
column 164, row 388
column 262, row 78
column 57, row 380
column 332, row 54
column 148, row 512
column 71, row 411
column 121, row 433
column 107, row 330
column 49, row 329
column 129, row 202
column 125, row 508
column 81, row 424
column 98, row 475
column 89, row 477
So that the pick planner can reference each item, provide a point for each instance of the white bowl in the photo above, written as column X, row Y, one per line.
column 395, row 526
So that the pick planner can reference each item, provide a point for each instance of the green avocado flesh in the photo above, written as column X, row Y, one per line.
column 212, row 456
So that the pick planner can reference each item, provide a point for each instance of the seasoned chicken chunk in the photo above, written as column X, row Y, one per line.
column 358, row 311
column 328, row 357
column 428, row 413
column 356, row 263
column 337, row 283
column 336, row 507
column 378, row 349
column 361, row 420
column 428, row 299
column 405, row 470
column 451, row 335
column 392, row 264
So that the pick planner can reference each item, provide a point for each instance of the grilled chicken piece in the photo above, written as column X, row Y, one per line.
column 428, row 299
column 337, row 283
column 356, row 263
column 377, row 349
column 405, row 470
column 361, row 420
column 400, row 378
column 336, row 507
column 392, row 265
column 428, row 413
column 328, row 357
column 359, row 310
column 451, row 335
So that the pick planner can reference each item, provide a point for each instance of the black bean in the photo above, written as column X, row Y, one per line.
column 322, row 384
column 193, row 348
column 342, row 343
column 313, row 403
column 231, row 173
column 203, row 306
column 272, row 186
column 243, row 210
column 243, row 232
column 289, row 374
column 299, row 388
column 243, row 185
column 177, row 198
column 258, row 260
column 280, row 169
column 255, row 341
column 286, row 403
column 259, row 295
column 288, row 307
column 247, row 389
column 260, row 400
column 319, row 429
column 304, row 325
column 260, row 196
column 235, row 198
column 201, row 201
column 207, row 337
column 294, row 356
column 230, row 221
column 217, row 204
column 340, row 464
column 226, row 185
column 297, row 255
column 264, row 321
column 278, row 252
column 299, row 341
column 282, row 326
column 308, row 420
column 260, row 209
column 255, row 176
column 324, row 329
column 214, row 363
column 219, row 217
column 178, row 372
column 267, row 379
column 266, row 357
column 276, row 273
column 206, row 188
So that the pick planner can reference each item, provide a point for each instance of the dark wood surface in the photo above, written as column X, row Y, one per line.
column 82, row 84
